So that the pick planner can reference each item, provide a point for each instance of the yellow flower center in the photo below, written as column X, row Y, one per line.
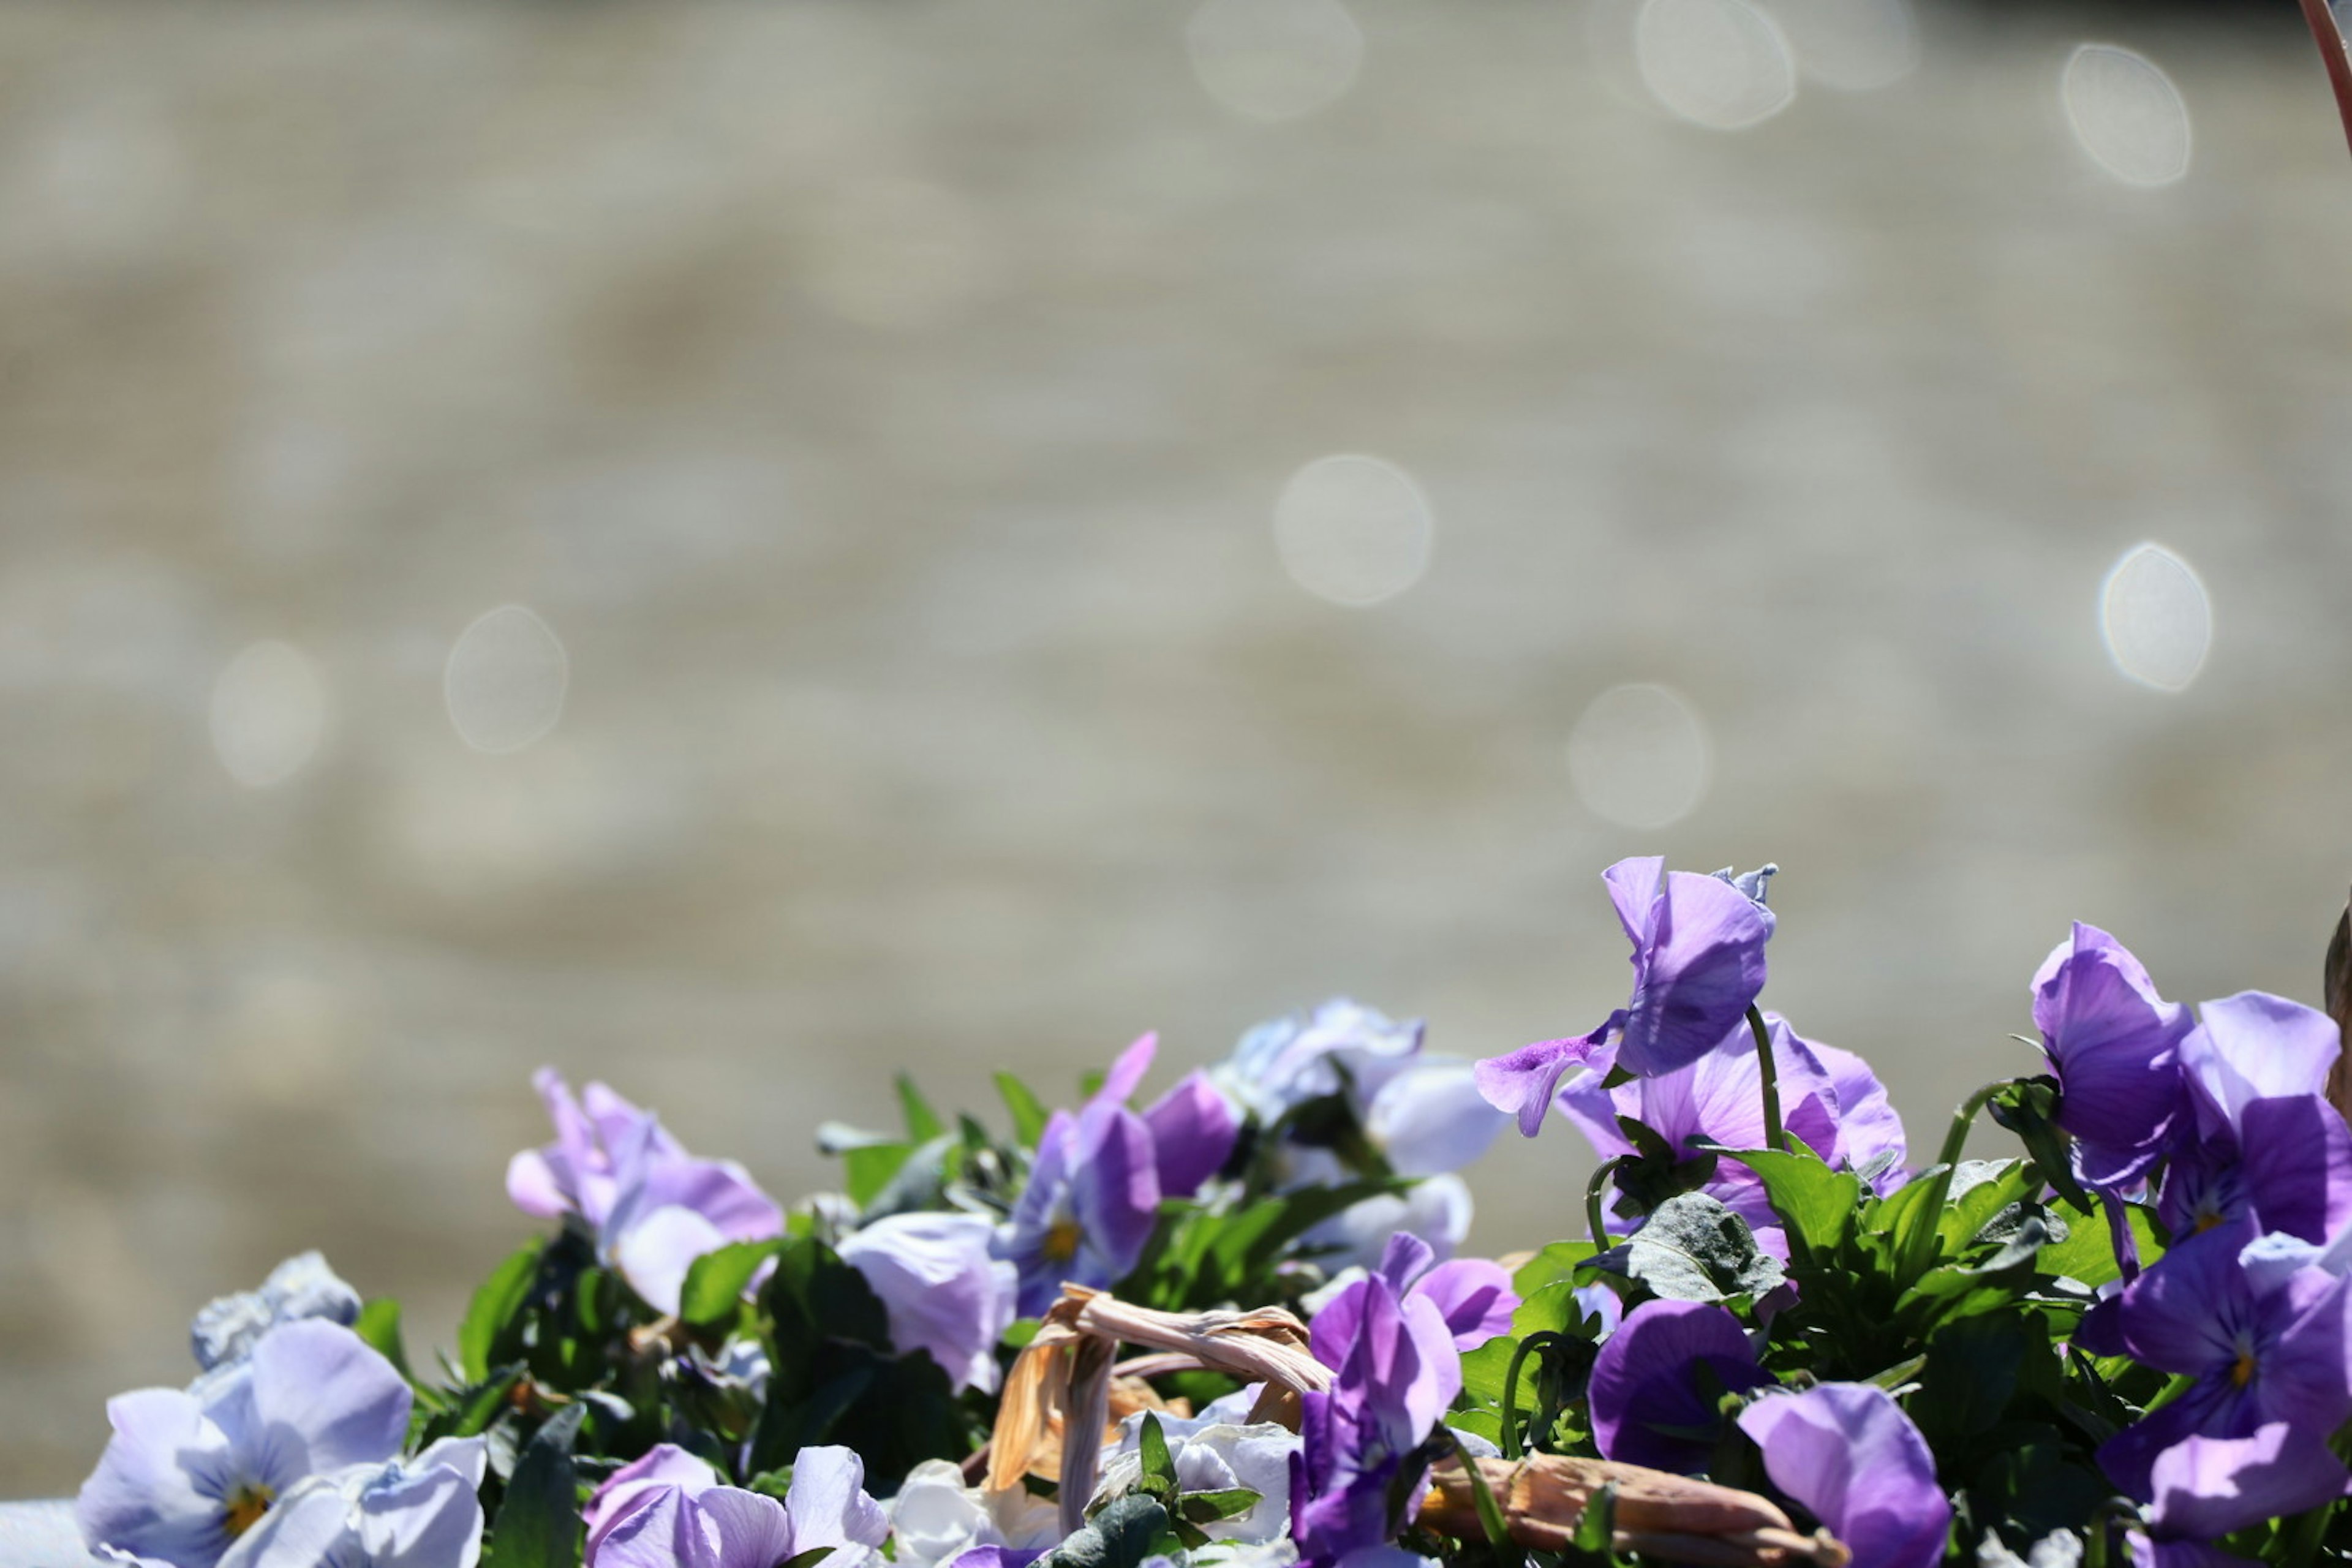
column 2207, row 1220
column 1061, row 1240
column 2243, row 1373
column 244, row 1508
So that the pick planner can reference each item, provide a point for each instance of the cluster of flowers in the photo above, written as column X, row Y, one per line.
column 2138, row 1332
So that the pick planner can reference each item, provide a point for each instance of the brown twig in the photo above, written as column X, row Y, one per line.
column 2330, row 40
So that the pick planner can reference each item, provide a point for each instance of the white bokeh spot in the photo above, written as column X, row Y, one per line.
column 2155, row 617
column 2127, row 114
column 1723, row 64
column 1853, row 46
column 505, row 680
column 1640, row 756
column 269, row 714
column 1274, row 60
column 1354, row 529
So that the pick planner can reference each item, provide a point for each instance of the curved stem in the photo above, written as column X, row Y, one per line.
column 1595, row 1213
column 1922, row 1250
column 2330, row 40
column 1540, row 1341
column 1774, row 1138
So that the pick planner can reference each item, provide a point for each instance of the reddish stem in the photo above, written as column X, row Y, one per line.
column 2330, row 40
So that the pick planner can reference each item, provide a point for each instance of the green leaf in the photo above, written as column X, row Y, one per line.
column 923, row 1123
column 1206, row 1508
column 1029, row 1113
column 469, row 1411
column 378, row 1326
column 1120, row 1536
column 715, row 1282
column 2029, row 1108
column 539, row 1521
column 1695, row 1250
column 1490, row 1515
column 1597, row 1526
column 2087, row 1254
column 1484, row 1370
column 1158, row 1468
column 809, row 1559
column 867, row 1169
column 1816, row 1204
column 494, row 1307
column 1554, row 1264
column 1971, row 1372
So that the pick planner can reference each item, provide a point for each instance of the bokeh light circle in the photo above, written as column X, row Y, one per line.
column 2155, row 617
column 2127, row 114
column 505, row 680
column 1274, row 60
column 269, row 714
column 1723, row 64
column 1354, row 529
column 1640, row 756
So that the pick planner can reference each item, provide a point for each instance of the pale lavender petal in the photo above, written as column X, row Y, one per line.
column 145, row 1497
column 944, row 1293
column 1117, row 1182
column 2254, row 1046
column 1868, row 1124
column 431, row 1518
column 654, row 1253
column 1847, row 1452
column 1473, row 1296
column 1404, row 1259
column 751, row 1529
column 1192, row 1134
column 828, row 1505
column 1126, row 1070
column 1697, row 973
column 1432, row 1117
column 309, row 1528
column 2206, row 1487
column 2296, row 1165
column 665, row 1529
column 324, row 1387
column 1522, row 1083
column 532, row 1186
column 663, row 1466
column 1437, row 1376
column 1633, row 885
column 720, row 1190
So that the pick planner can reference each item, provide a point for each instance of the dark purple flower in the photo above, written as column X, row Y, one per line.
column 1089, row 1207
column 1474, row 1297
column 653, row 1207
column 1718, row 1100
column 1192, row 1134
column 1847, row 1452
column 2207, row 1487
column 1658, row 1383
column 2258, row 1351
column 1396, row 1370
column 2115, row 1046
column 1698, row 965
column 187, row 1474
column 669, row 1509
column 945, row 1294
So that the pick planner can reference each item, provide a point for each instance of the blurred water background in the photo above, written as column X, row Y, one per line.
column 737, row 547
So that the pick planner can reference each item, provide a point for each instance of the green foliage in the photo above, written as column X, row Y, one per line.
column 539, row 1521
column 1695, row 1250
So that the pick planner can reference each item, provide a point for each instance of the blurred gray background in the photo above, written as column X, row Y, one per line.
column 737, row 547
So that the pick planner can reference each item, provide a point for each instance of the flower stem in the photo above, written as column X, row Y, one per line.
column 1773, row 1136
column 1595, row 1213
column 1922, row 1250
column 2330, row 40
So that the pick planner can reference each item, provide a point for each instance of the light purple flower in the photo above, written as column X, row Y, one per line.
column 1339, row 1047
column 1430, row 1119
column 1847, row 1452
column 669, row 1509
column 1436, row 1209
column 2264, row 1140
column 1192, row 1134
column 2258, row 1351
column 1698, row 965
column 1473, row 1295
column 227, row 1330
column 1718, row 1100
column 945, row 1294
column 1658, row 1383
column 2115, row 1046
column 1397, row 1369
column 425, row 1512
column 653, row 1208
column 187, row 1474
column 2207, row 1487
column 1089, row 1206
column 1869, row 1129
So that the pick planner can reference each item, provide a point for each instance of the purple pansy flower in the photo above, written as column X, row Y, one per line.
column 1474, row 1297
column 1718, row 1100
column 1192, row 1128
column 1397, row 1369
column 1869, row 1129
column 425, row 1512
column 1847, row 1452
column 187, row 1474
column 2115, row 1046
column 2207, row 1487
column 226, row 1329
column 2263, row 1138
column 653, row 1207
column 1698, row 965
column 946, row 1295
column 1658, row 1383
column 669, row 1509
column 1093, row 1196
column 2259, row 1350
